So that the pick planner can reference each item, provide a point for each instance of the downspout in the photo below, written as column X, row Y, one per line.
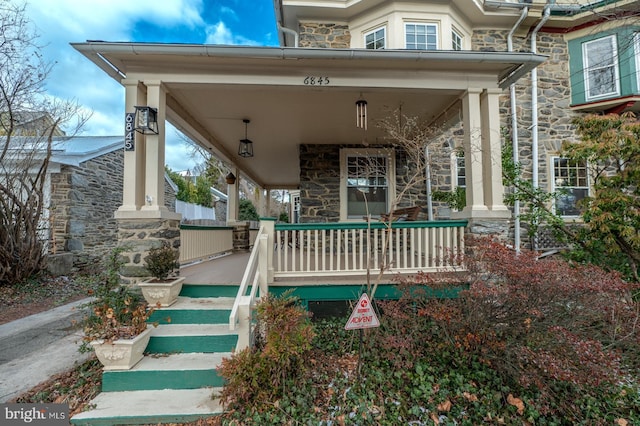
column 534, row 104
column 277, row 6
column 534, row 96
column 514, row 132
column 291, row 32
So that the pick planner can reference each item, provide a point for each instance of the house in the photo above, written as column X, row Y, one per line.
column 302, row 117
column 82, row 190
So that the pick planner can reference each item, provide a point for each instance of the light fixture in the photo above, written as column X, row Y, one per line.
column 246, row 146
column 230, row 178
column 361, row 114
column 146, row 120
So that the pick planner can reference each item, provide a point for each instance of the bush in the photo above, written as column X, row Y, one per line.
column 162, row 261
column 258, row 376
column 542, row 325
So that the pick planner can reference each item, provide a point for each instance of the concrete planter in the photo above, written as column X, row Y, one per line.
column 121, row 354
column 163, row 293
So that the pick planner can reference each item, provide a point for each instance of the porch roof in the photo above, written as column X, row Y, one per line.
column 295, row 96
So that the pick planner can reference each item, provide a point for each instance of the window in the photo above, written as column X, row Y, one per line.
column 366, row 182
column 375, row 39
column 600, row 67
column 637, row 52
column 456, row 40
column 571, row 182
column 461, row 174
column 421, row 36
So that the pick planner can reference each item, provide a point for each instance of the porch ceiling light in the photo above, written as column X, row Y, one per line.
column 146, row 120
column 361, row 114
column 246, row 146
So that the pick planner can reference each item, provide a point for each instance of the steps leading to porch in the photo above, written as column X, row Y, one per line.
column 176, row 380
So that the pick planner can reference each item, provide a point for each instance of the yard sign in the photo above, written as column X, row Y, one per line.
column 363, row 315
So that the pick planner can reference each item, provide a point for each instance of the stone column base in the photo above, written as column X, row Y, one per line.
column 138, row 236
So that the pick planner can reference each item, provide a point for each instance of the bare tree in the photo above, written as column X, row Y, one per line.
column 30, row 123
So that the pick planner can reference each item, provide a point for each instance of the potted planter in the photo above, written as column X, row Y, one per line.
column 163, row 289
column 116, row 326
column 121, row 354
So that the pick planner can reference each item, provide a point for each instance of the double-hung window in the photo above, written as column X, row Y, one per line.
column 456, row 40
column 375, row 39
column 421, row 36
column 600, row 62
column 571, row 183
column 367, row 182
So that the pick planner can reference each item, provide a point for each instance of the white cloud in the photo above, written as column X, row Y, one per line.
column 221, row 34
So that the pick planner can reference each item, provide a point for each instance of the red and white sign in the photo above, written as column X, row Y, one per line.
column 363, row 315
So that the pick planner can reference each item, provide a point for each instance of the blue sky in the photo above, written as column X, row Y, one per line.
column 60, row 22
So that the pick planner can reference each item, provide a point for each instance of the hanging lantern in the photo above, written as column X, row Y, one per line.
column 361, row 114
column 246, row 146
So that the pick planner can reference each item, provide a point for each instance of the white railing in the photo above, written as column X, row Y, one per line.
column 204, row 242
column 257, row 274
column 347, row 248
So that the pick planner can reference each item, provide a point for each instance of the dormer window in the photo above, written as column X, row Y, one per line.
column 376, row 39
column 421, row 36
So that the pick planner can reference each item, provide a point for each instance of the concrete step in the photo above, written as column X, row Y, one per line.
column 150, row 407
column 187, row 338
column 188, row 310
column 175, row 371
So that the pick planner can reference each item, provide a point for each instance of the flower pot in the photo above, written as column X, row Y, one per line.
column 163, row 293
column 121, row 354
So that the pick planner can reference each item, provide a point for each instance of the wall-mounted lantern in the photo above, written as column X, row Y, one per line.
column 146, row 120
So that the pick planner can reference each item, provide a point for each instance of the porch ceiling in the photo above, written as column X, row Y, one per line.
column 211, row 89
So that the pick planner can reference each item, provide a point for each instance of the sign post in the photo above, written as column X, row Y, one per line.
column 363, row 316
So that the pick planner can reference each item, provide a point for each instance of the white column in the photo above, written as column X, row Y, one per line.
column 473, row 156
column 154, row 171
column 233, row 194
column 492, row 153
column 133, row 173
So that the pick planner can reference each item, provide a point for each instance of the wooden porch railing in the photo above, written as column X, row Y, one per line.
column 203, row 242
column 346, row 248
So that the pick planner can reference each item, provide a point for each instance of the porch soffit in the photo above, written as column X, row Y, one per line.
column 211, row 89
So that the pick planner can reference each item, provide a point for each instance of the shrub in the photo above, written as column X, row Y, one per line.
column 542, row 323
column 258, row 376
column 162, row 261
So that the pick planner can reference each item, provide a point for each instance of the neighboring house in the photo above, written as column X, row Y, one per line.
column 83, row 189
column 30, row 123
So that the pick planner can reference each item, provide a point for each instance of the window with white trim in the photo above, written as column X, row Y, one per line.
column 456, row 40
column 366, row 182
column 421, row 36
column 571, row 183
column 637, row 47
column 600, row 61
column 376, row 39
column 460, row 171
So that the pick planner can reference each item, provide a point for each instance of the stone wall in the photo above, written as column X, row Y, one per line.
column 320, row 183
column 139, row 236
column 324, row 35
column 83, row 202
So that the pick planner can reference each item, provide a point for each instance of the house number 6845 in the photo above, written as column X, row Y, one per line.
column 316, row 81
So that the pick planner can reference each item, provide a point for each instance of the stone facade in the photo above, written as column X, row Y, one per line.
column 82, row 206
column 138, row 237
column 324, row 35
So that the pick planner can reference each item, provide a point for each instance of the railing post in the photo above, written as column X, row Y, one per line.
column 269, row 225
column 263, row 267
column 244, row 323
